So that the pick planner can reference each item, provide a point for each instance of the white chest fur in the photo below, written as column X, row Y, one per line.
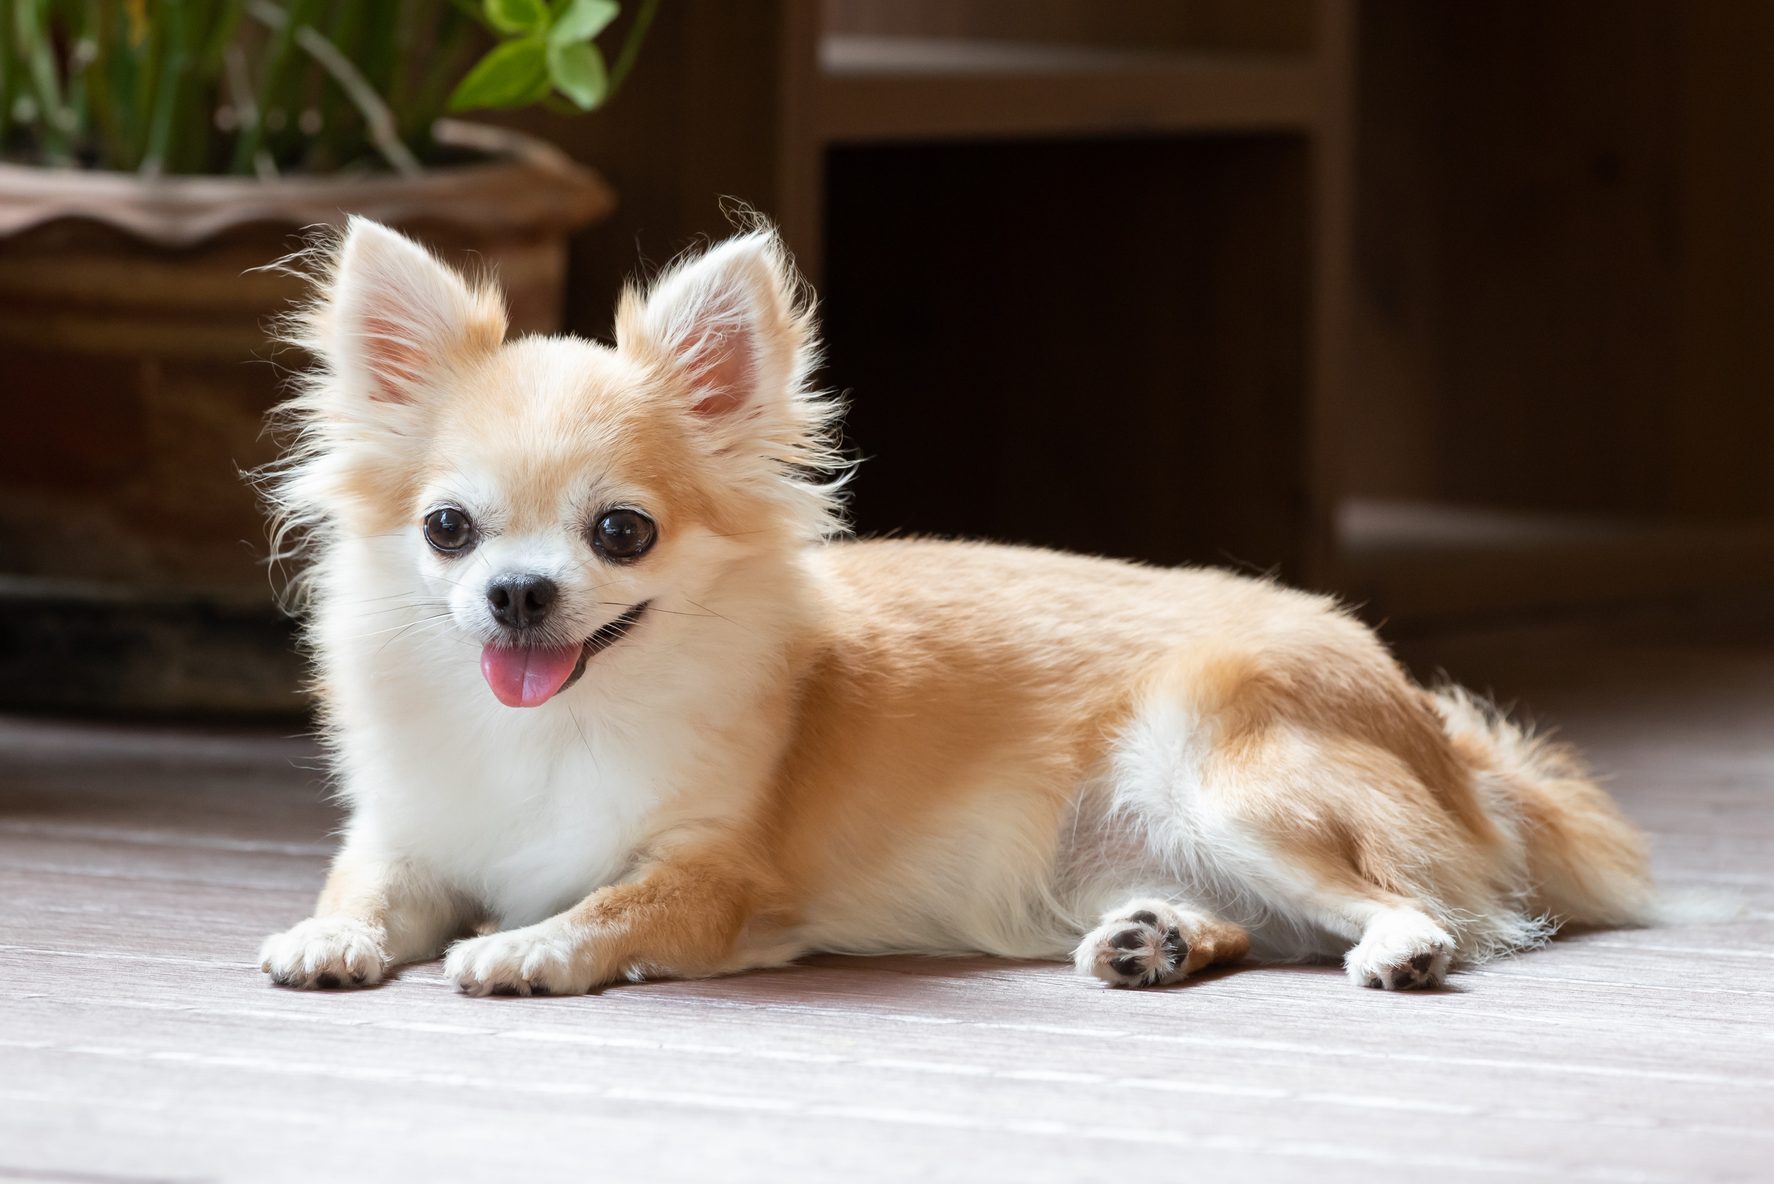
column 523, row 811
column 527, row 810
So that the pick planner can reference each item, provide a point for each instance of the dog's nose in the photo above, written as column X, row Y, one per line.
column 521, row 601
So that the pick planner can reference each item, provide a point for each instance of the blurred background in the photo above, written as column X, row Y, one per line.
column 1462, row 312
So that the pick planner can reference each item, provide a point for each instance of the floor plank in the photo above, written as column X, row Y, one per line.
column 140, row 1043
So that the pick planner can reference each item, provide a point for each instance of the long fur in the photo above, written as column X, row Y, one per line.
column 807, row 744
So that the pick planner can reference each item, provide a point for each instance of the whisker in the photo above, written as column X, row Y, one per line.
column 711, row 612
column 589, row 751
column 655, row 609
column 432, row 620
column 413, row 625
column 408, row 607
column 379, row 599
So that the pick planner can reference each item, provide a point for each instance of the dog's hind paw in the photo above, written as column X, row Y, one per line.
column 1151, row 942
column 1142, row 944
column 1401, row 950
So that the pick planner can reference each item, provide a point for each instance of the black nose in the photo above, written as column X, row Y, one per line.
column 521, row 601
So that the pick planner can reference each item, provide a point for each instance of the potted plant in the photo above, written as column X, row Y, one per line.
column 153, row 155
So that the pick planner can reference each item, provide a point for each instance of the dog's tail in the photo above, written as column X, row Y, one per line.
column 1586, row 864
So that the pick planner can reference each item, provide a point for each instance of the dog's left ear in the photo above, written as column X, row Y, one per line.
column 729, row 326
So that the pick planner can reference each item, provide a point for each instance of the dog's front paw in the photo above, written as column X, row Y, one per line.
column 325, row 952
column 539, row 960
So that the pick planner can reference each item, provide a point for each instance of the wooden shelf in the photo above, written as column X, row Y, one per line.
column 1416, row 562
column 875, row 88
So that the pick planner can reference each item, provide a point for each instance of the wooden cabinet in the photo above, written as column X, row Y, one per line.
column 1457, row 310
column 1081, row 263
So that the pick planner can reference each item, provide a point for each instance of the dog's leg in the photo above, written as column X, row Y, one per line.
column 1331, row 808
column 680, row 916
column 372, row 914
column 1149, row 942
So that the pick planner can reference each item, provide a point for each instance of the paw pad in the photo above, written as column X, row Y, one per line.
column 1413, row 974
column 1143, row 953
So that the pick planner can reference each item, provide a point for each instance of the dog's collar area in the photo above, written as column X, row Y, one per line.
column 603, row 639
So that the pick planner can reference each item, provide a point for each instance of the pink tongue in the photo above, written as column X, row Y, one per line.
column 527, row 677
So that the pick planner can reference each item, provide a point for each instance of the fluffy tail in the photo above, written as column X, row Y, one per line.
column 1586, row 864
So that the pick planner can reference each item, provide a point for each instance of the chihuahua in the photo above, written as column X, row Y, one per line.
column 608, row 698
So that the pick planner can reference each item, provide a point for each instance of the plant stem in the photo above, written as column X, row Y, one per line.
column 246, row 110
column 33, row 35
column 123, row 71
column 424, row 108
column 166, row 97
column 631, row 46
column 280, row 58
column 152, row 57
column 401, row 65
column 384, row 132
column 378, row 119
column 339, row 139
column 101, row 99
column 8, row 79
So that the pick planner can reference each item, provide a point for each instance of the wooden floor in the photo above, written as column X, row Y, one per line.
column 138, row 1040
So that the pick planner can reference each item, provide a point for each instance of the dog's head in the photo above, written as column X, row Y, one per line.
column 549, row 494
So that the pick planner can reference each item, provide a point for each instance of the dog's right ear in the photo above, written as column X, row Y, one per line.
column 391, row 318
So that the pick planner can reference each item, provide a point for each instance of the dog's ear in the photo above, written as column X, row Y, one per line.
column 730, row 326
column 730, row 334
column 392, row 316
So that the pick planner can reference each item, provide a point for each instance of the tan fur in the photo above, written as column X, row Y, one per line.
column 1588, row 864
column 1034, row 663
column 928, row 745
column 895, row 715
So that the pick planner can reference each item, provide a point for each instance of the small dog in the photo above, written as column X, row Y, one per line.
column 599, row 689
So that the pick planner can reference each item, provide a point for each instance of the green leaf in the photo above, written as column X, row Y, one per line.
column 515, row 74
column 578, row 72
column 516, row 16
column 583, row 20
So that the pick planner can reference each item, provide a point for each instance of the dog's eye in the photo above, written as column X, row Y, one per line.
column 623, row 534
column 448, row 529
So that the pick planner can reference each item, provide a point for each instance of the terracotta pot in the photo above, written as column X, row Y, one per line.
column 134, row 380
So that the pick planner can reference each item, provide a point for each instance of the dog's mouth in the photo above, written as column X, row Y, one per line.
column 531, row 675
